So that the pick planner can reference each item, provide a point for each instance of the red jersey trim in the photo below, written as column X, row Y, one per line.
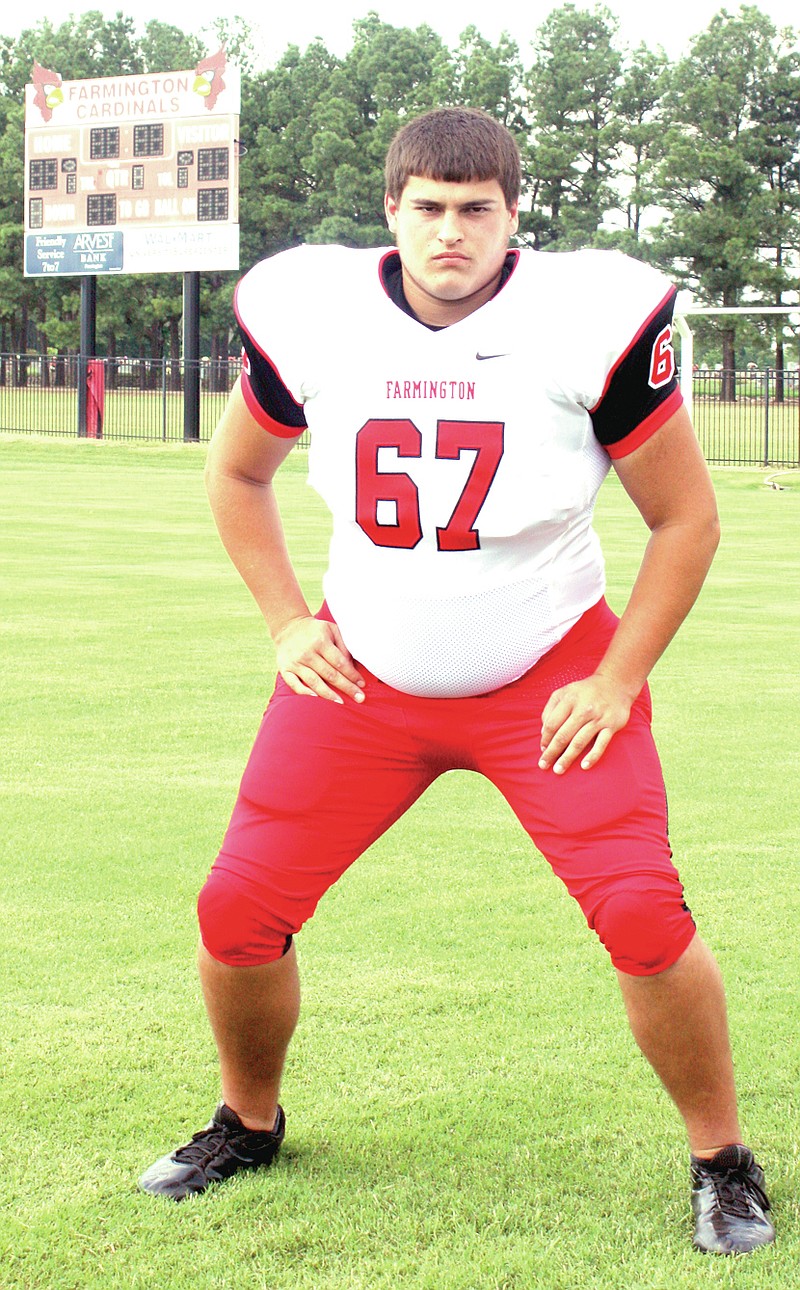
column 646, row 428
column 392, row 251
column 263, row 418
column 648, row 320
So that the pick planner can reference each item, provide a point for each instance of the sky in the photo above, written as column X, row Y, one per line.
column 670, row 25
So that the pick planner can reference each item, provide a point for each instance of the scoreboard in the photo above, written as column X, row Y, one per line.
column 132, row 174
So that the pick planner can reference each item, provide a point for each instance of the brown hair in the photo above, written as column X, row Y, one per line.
column 454, row 145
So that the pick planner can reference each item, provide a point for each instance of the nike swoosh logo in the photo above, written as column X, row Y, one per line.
column 482, row 357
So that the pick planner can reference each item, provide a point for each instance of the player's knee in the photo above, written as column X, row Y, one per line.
column 235, row 926
column 645, row 932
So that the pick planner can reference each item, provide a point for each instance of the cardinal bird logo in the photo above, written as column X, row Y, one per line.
column 208, row 80
column 48, row 94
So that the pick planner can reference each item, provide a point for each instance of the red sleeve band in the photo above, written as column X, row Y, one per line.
column 263, row 418
column 646, row 428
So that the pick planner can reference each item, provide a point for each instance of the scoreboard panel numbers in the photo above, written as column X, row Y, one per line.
column 148, row 140
column 104, row 143
column 212, row 204
column 212, row 165
column 101, row 208
column 43, row 174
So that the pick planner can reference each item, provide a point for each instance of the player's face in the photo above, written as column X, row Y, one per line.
column 452, row 240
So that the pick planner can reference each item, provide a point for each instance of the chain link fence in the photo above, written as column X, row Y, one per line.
column 743, row 418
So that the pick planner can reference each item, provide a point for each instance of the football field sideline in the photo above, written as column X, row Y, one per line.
column 466, row 1109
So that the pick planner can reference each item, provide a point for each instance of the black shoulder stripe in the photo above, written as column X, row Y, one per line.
column 642, row 379
column 269, row 390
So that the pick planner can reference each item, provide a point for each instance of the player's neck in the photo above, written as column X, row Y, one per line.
column 435, row 312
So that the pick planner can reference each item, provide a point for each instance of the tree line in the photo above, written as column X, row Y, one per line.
column 692, row 165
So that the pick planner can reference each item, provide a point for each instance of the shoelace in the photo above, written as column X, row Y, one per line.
column 209, row 1144
column 737, row 1192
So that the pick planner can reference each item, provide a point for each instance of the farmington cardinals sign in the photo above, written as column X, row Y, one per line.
column 132, row 174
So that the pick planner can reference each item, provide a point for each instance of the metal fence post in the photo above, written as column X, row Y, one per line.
column 191, row 356
column 164, row 400
column 88, row 344
column 766, row 416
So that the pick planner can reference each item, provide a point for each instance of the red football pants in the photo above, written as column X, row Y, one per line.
column 325, row 780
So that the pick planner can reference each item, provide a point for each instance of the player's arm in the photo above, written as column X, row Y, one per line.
column 668, row 481
column 243, row 459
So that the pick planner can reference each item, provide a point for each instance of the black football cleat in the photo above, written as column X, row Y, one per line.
column 729, row 1202
column 223, row 1148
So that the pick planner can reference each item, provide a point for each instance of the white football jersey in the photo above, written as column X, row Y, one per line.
column 461, row 466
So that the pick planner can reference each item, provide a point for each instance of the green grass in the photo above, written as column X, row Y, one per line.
column 466, row 1108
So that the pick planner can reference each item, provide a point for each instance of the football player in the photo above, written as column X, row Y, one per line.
column 465, row 402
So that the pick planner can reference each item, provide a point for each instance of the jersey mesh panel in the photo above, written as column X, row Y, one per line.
column 459, row 646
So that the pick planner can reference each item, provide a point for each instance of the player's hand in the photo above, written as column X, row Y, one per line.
column 313, row 659
column 580, row 720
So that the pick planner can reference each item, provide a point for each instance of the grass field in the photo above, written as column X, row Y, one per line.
column 466, row 1108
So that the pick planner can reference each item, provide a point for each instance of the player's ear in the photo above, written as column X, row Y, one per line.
column 390, row 209
column 513, row 216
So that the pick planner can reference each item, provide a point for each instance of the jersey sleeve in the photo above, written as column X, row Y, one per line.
column 268, row 397
column 641, row 390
